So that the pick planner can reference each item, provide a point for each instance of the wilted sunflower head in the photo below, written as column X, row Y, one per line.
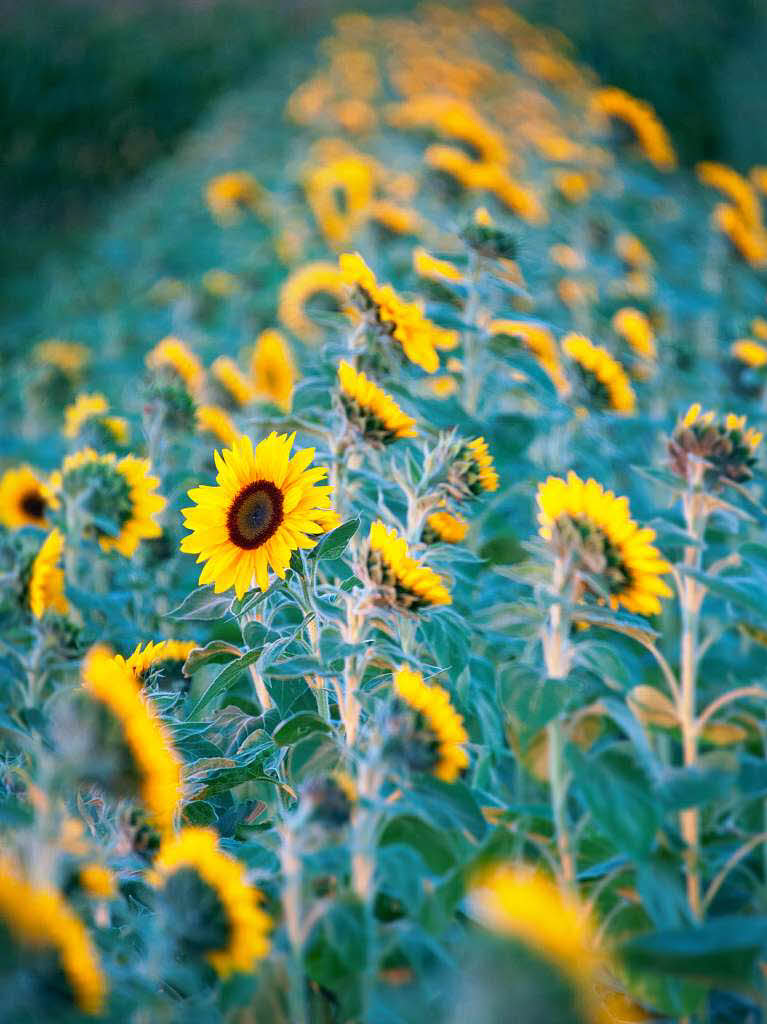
column 396, row 579
column 266, row 503
column 424, row 730
column 208, row 906
column 591, row 530
column 113, row 501
column 705, row 450
column 23, row 499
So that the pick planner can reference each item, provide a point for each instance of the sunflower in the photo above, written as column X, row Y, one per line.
column 453, row 119
column 120, row 491
column 759, row 328
column 735, row 187
column 273, row 369
column 432, row 269
column 383, row 308
column 46, row 582
column 265, row 504
column 750, row 352
column 41, row 922
column 368, row 408
column 233, row 928
column 471, row 470
column 339, row 193
column 540, row 342
column 603, row 377
column 594, row 526
column 518, row 901
column 634, row 326
column 397, row 220
column 705, row 448
column 165, row 656
column 238, row 390
column 639, row 118
column 110, row 681
column 229, row 193
column 446, row 736
column 172, row 355
column 212, row 419
column 402, row 581
column 69, row 357
column 97, row 881
column 445, row 527
column 520, row 199
column 454, row 164
column 91, row 410
column 23, row 500
column 750, row 243
column 309, row 281
column 633, row 252
column 574, row 186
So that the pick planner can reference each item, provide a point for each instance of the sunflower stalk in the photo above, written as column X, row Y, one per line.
column 264, row 697
column 292, row 902
column 365, row 822
column 471, row 376
column 558, row 656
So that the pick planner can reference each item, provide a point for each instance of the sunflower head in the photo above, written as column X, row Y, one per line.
column 749, row 352
column 265, row 504
column 314, row 281
column 209, row 908
column 273, row 369
column 113, row 501
column 709, row 451
column 159, row 665
column 445, row 527
column 174, row 363
column 397, row 579
column 633, row 122
column 604, row 382
column 425, row 731
column 216, row 422
column 471, row 470
column 592, row 531
column 46, row 581
column 86, row 421
column 23, row 499
column 229, row 194
column 232, row 387
column 370, row 410
column 635, row 328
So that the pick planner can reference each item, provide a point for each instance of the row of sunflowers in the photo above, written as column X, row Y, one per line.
column 382, row 613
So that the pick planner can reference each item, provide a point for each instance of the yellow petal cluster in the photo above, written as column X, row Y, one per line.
column 23, row 498
column 317, row 278
column 433, row 703
column 212, row 419
column 172, row 354
column 410, row 575
column 375, row 403
column 249, row 924
column 46, row 581
column 540, row 342
column 485, row 467
column 231, row 378
column 607, row 371
column 650, row 135
column 633, row 325
column 272, row 369
column 750, row 352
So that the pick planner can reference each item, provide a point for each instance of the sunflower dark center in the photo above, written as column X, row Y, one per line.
column 33, row 505
column 255, row 514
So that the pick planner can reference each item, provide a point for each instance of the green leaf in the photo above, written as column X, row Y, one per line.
column 202, row 605
column 224, row 680
column 223, row 779
column 217, row 652
column 448, row 805
column 199, row 812
column 745, row 594
column 530, row 698
column 713, row 777
column 334, row 544
column 336, row 949
column 723, row 949
column 297, row 726
column 622, row 807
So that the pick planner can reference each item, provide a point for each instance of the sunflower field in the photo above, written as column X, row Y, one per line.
column 383, row 562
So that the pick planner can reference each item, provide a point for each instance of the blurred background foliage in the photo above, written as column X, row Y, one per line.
column 92, row 94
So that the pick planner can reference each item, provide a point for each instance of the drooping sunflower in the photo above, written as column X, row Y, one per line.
column 122, row 492
column 23, row 499
column 633, row 325
column 273, row 369
column 370, row 409
column 319, row 278
column 471, row 471
column 237, row 389
column 750, row 352
column 90, row 411
column 165, row 657
column 392, row 317
column 205, row 887
column 46, row 581
column 172, row 355
column 40, row 924
column 604, row 379
column 735, row 187
column 402, row 581
column 112, row 682
column 539, row 340
column 707, row 449
column 594, row 527
column 517, row 900
column 212, row 419
column 265, row 504
column 748, row 242
column 443, row 526
column 639, row 118
column 442, row 750
column 339, row 193
column 228, row 194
